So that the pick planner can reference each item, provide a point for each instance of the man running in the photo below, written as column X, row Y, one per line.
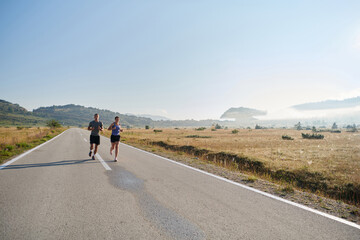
column 95, row 126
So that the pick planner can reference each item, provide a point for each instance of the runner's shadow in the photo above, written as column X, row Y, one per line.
column 49, row 164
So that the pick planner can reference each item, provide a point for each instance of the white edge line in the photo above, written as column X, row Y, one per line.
column 102, row 162
column 256, row 190
column 29, row 151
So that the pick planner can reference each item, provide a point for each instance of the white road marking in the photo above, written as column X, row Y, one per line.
column 256, row 190
column 106, row 166
column 29, row 151
column 102, row 162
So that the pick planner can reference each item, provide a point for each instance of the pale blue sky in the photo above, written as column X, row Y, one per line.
column 180, row 59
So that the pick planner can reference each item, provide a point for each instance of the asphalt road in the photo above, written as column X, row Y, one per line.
column 57, row 192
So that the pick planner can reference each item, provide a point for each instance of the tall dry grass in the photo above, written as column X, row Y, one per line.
column 330, row 166
column 337, row 155
column 14, row 140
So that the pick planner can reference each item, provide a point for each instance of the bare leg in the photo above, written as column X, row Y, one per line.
column 96, row 147
column 116, row 149
column 112, row 148
column 91, row 148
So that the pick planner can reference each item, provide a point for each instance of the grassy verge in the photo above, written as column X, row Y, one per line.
column 14, row 141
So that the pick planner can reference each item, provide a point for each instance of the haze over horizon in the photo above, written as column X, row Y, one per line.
column 181, row 60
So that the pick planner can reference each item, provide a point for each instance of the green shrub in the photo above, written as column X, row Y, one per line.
column 19, row 128
column 197, row 136
column 335, row 131
column 5, row 153
column 200, row 128
column 23, row 145
column 235, row 131
column 312, row 136
column 217, row 126
column 9, row 148
column 286, row 137
column 147, row 127
column 157, row 130
column 53, row 124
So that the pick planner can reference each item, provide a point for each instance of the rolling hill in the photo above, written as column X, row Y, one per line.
column 76, row 115
column 80, row 116
column 15, row 115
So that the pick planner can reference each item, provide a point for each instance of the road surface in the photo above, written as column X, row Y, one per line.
column 57, row 192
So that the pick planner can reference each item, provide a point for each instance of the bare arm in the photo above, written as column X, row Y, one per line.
column 110, row 127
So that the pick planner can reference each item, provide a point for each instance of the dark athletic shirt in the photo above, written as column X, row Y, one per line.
column 95, row 125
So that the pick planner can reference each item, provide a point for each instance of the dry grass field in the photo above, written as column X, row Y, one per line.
column 334, row 162
column 14, row 140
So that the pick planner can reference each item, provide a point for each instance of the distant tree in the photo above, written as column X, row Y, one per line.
column 334, row 126
column 298, row 126
column 351, row 128
column 53, row 124
column 147, row 127
column 314, row 129
column 217, row 126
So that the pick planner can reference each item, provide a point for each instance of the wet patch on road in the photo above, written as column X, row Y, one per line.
column 174, row 225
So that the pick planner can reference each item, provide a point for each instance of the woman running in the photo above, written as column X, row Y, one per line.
column 115, row 136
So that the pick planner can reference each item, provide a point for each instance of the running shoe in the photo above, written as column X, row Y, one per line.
column 115, row 160
column 93, row 157
column 90, row 154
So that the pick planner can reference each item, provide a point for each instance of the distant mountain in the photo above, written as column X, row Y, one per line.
column 76, row 115
column 329, row 104
column 12, row 115
column 242, row 114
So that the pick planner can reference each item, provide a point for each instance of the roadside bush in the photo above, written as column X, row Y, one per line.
column 53, row 124
column 5, row 153
column 335, row 131
column 286, row 137
column 312, row 136
column 200, row 128
column 197, row 136
column 23, row 145
column 9, row 148
column 235, row 131
column 157, row 130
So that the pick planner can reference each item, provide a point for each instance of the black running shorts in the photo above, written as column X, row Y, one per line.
column 94, row 139
column 115, row 138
